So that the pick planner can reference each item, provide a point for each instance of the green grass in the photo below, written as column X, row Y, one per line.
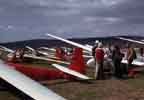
column 5, row 95
column 39, row 63
column 137, row 82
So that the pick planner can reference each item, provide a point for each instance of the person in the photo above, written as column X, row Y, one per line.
column 93, row 54
column 131, row 55
column 22, row 52
column 108, row 51
column 141, row 51
column 117, row 58
column 99, row 57
column 108, row 64
column 94, row 48
column 19, row 53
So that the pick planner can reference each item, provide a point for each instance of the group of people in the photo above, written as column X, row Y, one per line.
column 101, row 53
column 17, row 56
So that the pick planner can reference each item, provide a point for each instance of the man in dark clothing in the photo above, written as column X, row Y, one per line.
column 117, row 57
column 141, row 51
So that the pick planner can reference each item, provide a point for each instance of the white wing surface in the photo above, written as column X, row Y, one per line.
column 26, row 85
column 71, row 42
column 131, row 40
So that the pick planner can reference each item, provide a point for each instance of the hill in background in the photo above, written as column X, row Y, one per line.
column 57, row 43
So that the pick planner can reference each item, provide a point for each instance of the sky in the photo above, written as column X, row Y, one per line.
column 31, row 19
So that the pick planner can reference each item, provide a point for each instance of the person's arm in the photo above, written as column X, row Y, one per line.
column 93, row 51
column 130, row 53
column 113, row 54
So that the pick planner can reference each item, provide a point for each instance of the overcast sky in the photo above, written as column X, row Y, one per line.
column 30, row 19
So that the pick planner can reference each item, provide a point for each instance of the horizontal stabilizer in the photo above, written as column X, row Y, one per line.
column 71, row 72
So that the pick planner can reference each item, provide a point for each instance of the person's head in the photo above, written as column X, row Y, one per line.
column 96, row 41
column 117, row 48
column 100, row 45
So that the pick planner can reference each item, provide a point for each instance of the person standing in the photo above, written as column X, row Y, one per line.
column 141, row 51
column 93, row 61
column 94, row 48
column 131, row 55
column 99, row 57
column 117, row 58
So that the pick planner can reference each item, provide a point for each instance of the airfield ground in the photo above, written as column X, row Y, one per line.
column 110, row 89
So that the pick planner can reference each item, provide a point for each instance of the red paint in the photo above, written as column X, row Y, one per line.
column 58, row 53
column 99, row 54
column 38, row 73
column 131, row 72
column 77, row 63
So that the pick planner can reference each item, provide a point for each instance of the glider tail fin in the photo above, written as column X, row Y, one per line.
column 77, row 62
